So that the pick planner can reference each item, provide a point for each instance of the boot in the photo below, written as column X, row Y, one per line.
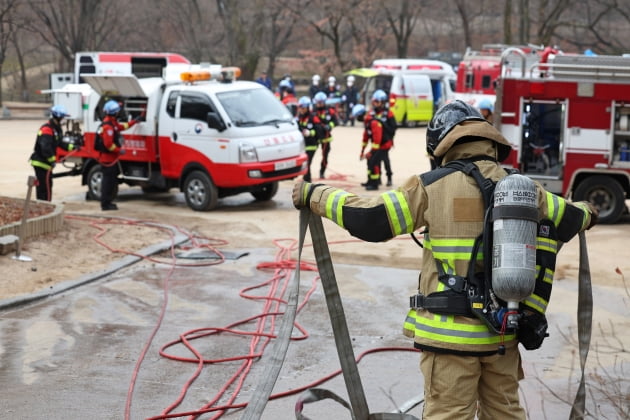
column 321, row 175
column 389, row 181
column 372, row 185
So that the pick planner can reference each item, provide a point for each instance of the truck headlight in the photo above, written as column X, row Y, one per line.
column 247, row 153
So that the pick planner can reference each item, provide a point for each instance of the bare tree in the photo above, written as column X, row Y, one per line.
column 190, row 21
column 70, row 26
column 402, row 17
column 369, row 32
column 8, row 27
column 279, row 32
column 329, row 19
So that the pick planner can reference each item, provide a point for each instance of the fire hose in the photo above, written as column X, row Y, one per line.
column 358, row 404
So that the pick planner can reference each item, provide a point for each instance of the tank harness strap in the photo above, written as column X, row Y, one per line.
column 455, row 300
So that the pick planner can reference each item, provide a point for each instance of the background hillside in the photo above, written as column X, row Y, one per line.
column 299, row 37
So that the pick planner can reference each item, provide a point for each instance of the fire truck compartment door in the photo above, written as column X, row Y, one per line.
column 114, row 85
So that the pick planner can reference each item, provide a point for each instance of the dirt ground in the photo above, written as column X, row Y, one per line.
column 92, row 239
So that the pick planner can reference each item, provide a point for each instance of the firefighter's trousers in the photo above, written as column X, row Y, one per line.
column 460, row 387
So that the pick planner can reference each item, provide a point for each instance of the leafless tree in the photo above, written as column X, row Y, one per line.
column 402, row 16
column 70, row 26
column 8, row 27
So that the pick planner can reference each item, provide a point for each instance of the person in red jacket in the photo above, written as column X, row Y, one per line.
column 378, row 133
column 113, row 142
column 44, row 155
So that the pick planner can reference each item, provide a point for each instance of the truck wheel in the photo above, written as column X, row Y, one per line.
column 606, row 194
column 201, row 194
column 266, row 192
column 95, row 182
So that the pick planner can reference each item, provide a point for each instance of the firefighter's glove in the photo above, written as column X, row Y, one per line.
column 532, row 329
column 300, row 194
column 594, row 212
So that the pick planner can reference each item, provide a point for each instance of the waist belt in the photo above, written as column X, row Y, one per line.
column 447, row 302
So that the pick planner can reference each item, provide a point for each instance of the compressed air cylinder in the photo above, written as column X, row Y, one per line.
column 515, row 218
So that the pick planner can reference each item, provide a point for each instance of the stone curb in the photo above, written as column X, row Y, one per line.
column 126, row 261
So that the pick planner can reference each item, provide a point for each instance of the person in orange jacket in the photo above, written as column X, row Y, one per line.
column 113, row 142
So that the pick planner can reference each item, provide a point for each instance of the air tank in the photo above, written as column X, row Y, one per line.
column 515, row 218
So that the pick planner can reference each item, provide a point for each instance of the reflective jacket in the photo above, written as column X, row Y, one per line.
column 452, row 210
column 112, row 138
column 46, row 143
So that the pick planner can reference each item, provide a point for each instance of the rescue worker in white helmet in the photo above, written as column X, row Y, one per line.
column 349, row 97
column 315, row 86
column 466, row 372
column 44, row 155
column 333, row 90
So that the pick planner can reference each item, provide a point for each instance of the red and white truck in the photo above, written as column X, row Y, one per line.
column 204, row 133
column 568, row 119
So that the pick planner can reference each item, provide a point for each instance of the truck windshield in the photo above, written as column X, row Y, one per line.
column 253, row 107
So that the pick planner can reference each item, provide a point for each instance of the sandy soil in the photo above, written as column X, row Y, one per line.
column 92, row 239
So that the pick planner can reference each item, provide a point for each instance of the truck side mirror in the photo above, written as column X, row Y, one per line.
column 214, row 121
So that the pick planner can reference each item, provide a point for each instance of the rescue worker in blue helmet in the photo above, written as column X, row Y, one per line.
column 44, row 155
column 110, row 131
column 486, row 107
column 469, row 370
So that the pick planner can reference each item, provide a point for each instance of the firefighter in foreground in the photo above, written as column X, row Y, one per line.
column 44, row 157
column 469, row 369
column 113, row 144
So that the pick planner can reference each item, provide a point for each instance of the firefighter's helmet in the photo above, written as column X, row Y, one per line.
column 284, row 84
column 332, row 80
column 453, row 114
column 486, row 104
column 358, row 110
column 304, row 102
column 59, row 111
column 111, row 107
column 320, row 98
column 316, row 79
column 379, row 95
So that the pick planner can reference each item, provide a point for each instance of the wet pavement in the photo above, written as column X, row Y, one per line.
column 78, row 354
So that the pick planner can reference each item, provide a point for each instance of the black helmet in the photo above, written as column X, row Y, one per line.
column 447, row 117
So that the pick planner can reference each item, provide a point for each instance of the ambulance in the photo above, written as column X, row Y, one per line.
column 416, row 87
column 568, row 119
column 204, row 133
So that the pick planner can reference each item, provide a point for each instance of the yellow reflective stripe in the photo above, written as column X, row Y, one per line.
column 398, row 209
column 555, row 208
column 52, row 159
column 548, row 277
column 314, row 147
column 536, row 302
column 445, row 329
column 376, row 146
column 326, row 140
column 334, row 206
column 40, row 164
column 458, row 249
column 546, row 244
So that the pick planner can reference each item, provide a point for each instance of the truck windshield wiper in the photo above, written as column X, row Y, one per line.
column 275, row 121
column 247, row 123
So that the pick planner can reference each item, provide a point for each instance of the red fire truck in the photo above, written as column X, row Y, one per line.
column 568, row 118
column 479, row 70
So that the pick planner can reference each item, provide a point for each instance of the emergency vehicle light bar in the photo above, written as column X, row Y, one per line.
column 230, row 73
column 195, row 76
